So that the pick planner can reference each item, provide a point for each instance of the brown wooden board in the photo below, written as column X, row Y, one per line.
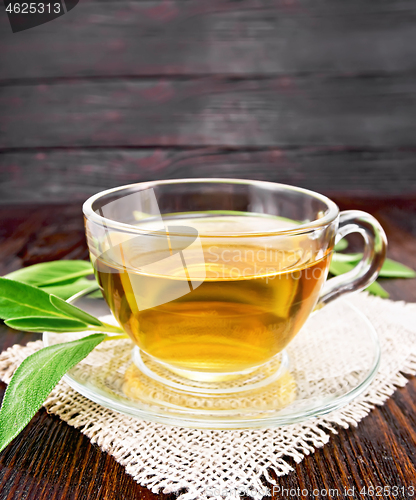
column 165, row 37
column 314, row 111
column 64, row 175
column 51, row 461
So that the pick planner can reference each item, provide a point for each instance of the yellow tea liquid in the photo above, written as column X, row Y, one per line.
column 254, row 296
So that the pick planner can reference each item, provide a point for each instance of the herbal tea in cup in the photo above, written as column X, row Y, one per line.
column 213, row 278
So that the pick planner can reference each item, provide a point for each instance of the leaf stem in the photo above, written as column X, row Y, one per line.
column 106, row 328
column 117, row 337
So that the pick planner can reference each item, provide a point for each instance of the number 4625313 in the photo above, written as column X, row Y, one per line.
column 33, row 8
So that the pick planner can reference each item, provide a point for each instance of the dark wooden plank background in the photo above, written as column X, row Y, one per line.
column 320, row 94
column 243, row 37
column 67, row 174
column 372, row 112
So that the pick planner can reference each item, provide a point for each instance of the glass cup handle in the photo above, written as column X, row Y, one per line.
column 366, row 271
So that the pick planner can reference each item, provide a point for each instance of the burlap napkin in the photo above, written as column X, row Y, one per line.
column 215, row 463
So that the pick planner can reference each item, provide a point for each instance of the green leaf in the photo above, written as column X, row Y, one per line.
column 376, row 289
column 49, row 273
column 41, row 324
column 74, row 312
column 392, row 269
column 338, row 267
column 35, row 378
column 347, row 257
column 341, row 245
column 98, row 294
column 68, row 290
column 18, row 300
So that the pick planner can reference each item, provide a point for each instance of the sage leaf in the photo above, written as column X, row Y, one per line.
column 338, row 268
column 347, row 257
column 74, row 312
column 41, row 324
column 65, row 291
column 49, row 273
column 18, row 300
column 341, row 245
column 392, row 269
column 35, row 378
column 376, row 289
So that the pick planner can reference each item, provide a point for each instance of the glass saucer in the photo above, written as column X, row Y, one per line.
column 332, row 359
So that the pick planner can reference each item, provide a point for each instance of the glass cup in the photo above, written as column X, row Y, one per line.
column 212, row 278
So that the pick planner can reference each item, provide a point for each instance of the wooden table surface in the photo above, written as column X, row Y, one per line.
column 50, row 460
